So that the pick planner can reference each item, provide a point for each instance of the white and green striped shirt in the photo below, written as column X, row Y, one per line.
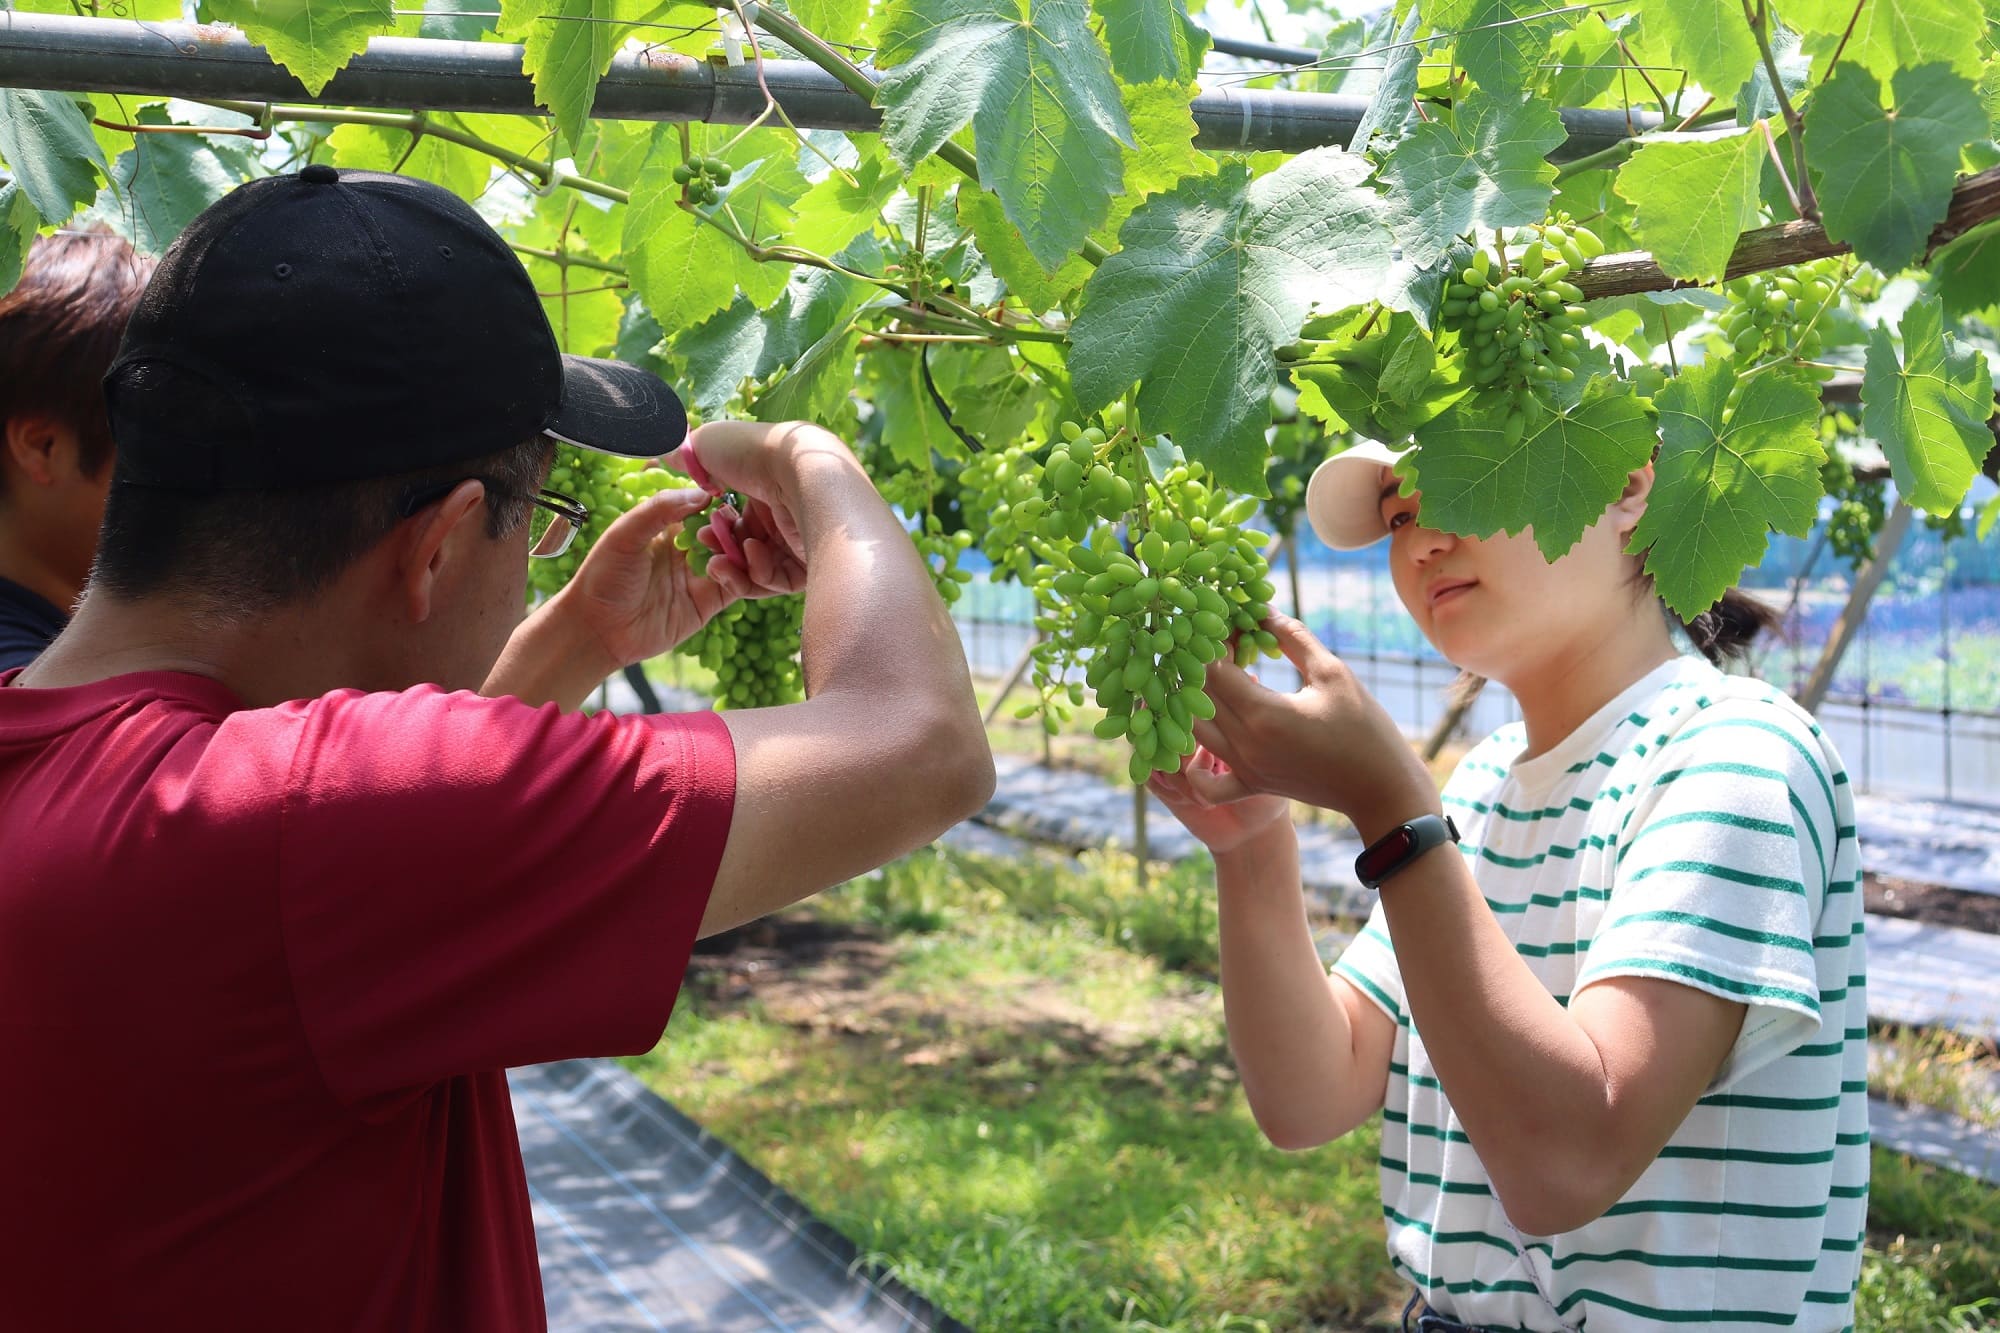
column 1699, row 828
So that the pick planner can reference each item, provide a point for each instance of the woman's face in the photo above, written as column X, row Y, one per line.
column 1495, row 606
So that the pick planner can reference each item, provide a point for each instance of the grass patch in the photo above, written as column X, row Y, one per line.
column 1036, row 1129
column 1170, row 918
column 1935, row 1067
column 982, row 1071
column 1933, row 1260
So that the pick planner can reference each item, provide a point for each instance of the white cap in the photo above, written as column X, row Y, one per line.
column 1344, row 498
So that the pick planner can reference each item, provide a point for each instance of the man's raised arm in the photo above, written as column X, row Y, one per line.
column 888, row 749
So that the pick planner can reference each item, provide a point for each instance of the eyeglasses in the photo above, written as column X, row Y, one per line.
column 553, row 522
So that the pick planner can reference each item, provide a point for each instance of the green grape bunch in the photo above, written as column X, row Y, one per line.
column 1143, row 620
column 753, row 649
column 752, row 646
column 701, row 178
column 1520, row 330
column 1776, row 314
column 607, row 487
column 940, row 551
column 1860, row 506
column 989, row 487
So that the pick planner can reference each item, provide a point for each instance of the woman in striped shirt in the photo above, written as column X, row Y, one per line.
column 1618, row 1038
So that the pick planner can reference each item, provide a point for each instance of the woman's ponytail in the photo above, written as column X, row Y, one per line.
column 1724, row 632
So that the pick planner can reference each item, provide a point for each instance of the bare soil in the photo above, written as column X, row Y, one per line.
column 1932, row 904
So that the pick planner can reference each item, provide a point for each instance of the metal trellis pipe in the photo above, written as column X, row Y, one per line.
column 67, row 53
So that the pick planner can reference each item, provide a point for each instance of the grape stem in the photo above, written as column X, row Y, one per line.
column 1795, row 126
column 1777, row 164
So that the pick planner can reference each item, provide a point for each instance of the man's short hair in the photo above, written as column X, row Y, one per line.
column 59, row 330
column 238, row 553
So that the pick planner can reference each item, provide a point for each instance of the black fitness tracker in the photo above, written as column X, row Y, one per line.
column 1400, row 846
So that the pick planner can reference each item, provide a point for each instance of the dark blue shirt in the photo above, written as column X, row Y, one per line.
column 28, row 624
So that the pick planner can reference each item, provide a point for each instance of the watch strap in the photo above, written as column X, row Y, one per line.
column 1400, row 846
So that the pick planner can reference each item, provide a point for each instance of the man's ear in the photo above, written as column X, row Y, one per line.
column 1630, row 506
column 37, row 446
column 425, row 543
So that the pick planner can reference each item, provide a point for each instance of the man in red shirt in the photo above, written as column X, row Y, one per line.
column 302, row 841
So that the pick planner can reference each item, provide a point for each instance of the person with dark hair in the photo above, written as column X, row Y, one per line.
column 59, row 328
column 1610, row 1000
column 306, row 840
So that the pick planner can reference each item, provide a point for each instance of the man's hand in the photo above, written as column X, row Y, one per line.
column 1330, row 744
column 762, row 551
column 634, row 595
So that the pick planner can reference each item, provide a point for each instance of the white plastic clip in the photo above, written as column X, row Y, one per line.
column 733, row 36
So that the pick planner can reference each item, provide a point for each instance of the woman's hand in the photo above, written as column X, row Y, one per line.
column 1329, row 744
column 1221, row 828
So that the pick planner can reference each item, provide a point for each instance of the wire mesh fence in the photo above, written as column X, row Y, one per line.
column 1914, row 706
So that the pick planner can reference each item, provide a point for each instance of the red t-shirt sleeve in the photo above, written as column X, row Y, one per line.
column 471, row 884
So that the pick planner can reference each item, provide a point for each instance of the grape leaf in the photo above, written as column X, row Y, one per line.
column 723, row 350
column 991, row 397
column 1393, row 105
column 1929, row 410
column 1756, row 101
column 719, row 354
column 1966, row 273
column 1487, row 168
column 1710, row 38
column 1165, row 129
column 1163, row 123
column 835, row 20
column 1212, row 277
column 448, row 20
column 1152, row 39
column 311, row 38
column 1558, row 478
column 164, row 180
column 684, row 270
column 817, row 383
column 18, row 220
column 1343, row 66
column 1586, row 63
column 1693, row 200
column 1988, row 516
column 842, row 206
column 981, row 212
column 1885, row 177
column 46, row 141
column 1888, row 35
column 1726, row 476
column 372, row 148
column 1500, row 42
column 569, row 44
column 911, row 425
column 1382, row 386
column 1036, row 86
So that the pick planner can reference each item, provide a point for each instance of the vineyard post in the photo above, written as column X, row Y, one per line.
column 1292, row 573
column 1139, row 848
column 1013, row 677
column 1449, row 722
column 1887, row 543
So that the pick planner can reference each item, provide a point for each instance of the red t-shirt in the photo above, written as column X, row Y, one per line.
column 261, row 971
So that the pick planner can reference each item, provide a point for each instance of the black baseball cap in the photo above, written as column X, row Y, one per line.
column 337, row 325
